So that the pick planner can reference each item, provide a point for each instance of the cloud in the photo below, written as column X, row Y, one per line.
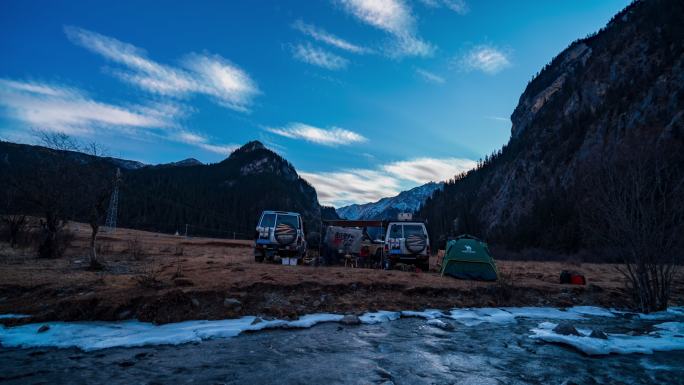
column 430, row 77
column 458, row 6
column 340, row 188
column 318, row 57
column 485, row 58
column 333, row 136
column 202, row 142
column 328, row 38
column 352, row 186
column 203, row 74
column 403, row 45
column 498, row 118
column 59, row 108
column 395, row 18
column 423, row 170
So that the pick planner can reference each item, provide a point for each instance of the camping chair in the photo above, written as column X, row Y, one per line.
column 350, row 261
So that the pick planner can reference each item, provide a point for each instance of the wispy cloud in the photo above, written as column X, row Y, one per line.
column 323, row 36
column 202, row 142
column 58, row 108
column 340, row 188
column 498, row 118
column 430, row 77
column 333, row 136
column 394, row 17
column 423, row 170
column 353, row 186
column 318, row 57
column 204, row 74
column 485, row 58
column 458, row 6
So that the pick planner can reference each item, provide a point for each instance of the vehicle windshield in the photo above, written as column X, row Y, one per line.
column 413, row 230
column 268, row 220
column 395, row 231
column 291, row 220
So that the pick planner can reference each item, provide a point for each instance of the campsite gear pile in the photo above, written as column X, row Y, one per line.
column 344, row 239
column 572, row 278
column 467, row 257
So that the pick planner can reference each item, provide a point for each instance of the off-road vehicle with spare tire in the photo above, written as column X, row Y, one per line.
column 407, row 242
column 279, row 234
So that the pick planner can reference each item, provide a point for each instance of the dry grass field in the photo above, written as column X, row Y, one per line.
column 164, row 278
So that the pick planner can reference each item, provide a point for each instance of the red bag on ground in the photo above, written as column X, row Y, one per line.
column 577, row 279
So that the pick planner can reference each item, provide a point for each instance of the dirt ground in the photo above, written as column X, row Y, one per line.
column 164, row 278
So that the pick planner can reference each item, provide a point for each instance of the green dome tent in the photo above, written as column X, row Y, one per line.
column 467, row 257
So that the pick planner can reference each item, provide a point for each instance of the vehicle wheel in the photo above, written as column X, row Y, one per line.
column 258, row 258
column 415, row 243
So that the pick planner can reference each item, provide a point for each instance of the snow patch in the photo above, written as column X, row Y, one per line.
column 379, row 316
column 592, row 311
column 101, row 335
column 14, row 316
column 542, row 312
column 476, row 316
column 668, row 338
column 428, row 314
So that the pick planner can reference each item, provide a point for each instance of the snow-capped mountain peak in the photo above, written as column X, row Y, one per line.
column 388, row 208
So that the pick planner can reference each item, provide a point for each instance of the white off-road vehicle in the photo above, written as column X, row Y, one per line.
column 407, row 242
column 279, row 234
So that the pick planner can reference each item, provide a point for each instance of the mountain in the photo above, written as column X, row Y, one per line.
column 616, row 93
column 213, row 199
column 182, row 163
column 388, row 208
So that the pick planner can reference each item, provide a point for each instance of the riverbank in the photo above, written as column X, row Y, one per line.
column 162, row 278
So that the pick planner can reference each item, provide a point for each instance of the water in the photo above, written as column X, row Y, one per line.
column 405, row 351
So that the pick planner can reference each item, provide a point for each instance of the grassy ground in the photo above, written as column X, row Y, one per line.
column 164, row 278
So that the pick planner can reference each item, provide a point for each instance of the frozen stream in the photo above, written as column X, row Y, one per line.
column 479, row 346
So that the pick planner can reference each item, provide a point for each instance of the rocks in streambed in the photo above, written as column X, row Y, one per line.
column 566, row 329
column 125, row 314
column 232, row 303
column 43, row 328
column 441, row 324
column 598, row 334
column 350, row 319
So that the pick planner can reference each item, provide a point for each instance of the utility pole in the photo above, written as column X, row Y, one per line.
column 110, row 223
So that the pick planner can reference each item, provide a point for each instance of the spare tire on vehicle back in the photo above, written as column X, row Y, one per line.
column 415, row 243
column 285, row 234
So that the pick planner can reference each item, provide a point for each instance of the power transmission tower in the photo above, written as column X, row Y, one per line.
column 110, row 223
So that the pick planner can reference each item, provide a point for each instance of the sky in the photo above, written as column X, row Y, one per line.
column 366, row 98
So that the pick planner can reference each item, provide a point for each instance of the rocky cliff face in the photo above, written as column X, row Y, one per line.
column 611, row 92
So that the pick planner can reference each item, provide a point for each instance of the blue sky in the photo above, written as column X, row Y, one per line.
column 365, row 97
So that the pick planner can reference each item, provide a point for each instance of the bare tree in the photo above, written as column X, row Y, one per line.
column 634, row 207
column 15, row 223
column 96, row 199
column 61, row 186
column 56, row 140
